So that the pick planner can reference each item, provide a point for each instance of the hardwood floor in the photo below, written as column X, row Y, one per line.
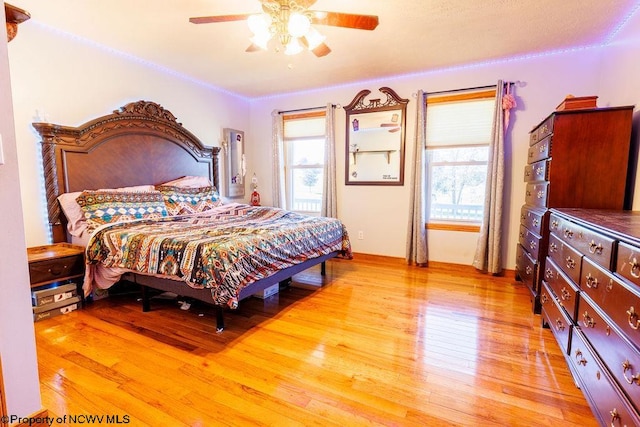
column 380, row 343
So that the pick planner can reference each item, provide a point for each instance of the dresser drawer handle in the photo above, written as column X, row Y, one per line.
column 614, row 416
column 539, row 170
column 528, row 270
column 540, row 194
column 56, row 271
column 553, row 247
column 568, row 233
column 581, row 360
column 626, row 366
column 635, row 268
column 565, row 295
column 548, row 274
column 632, row 318
column 559, row 325
column 554, row 225
column 595, row 248
column 535, row 222
column 532, row 245
column 543, row 148
column 571, row 264
column 592, row 282
column 588, row 321
column 544, row 299
column 609, row 287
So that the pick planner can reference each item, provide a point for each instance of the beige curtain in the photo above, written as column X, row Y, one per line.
column 329, row 189
column 277, row 147
column 488, row 256
column 416, row 251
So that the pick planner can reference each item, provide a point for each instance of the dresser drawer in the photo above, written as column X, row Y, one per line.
column 621, row 358
column 533, row 219
column 603, row 394
column 527, row 267
column 614, row 295
column 530, row 241
column 51, row 270
column 564, row 289
column 628, row 264
column 536, row 194
column 556, row 318
column 537, row 171
column 566, row 257
column 539, row 151
column 592, row 244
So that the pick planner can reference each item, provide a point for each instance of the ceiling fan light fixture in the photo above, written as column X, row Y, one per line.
column 314, row 38
column 261, row 40
column 298, row 24
column 293, row 47
column 260, row 23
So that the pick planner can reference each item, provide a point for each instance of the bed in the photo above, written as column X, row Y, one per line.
column 108, row 160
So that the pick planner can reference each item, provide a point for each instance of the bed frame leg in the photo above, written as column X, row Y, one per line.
column 219, row 319
column 146, row 301
column 323, row 268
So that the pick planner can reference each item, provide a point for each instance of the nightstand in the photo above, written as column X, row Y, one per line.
column 56, row 273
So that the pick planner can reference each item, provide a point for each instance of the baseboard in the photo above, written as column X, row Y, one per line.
column 433, row 264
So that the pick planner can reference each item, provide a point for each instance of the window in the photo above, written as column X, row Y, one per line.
column 459, row 126
column 304, row 141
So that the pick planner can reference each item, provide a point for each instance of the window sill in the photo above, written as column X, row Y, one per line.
column 469, row 228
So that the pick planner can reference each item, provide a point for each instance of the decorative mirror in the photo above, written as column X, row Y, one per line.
column 233, row 145
column 375, row 139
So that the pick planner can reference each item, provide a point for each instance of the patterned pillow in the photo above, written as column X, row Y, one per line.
column 103, row 207
column 182, row 200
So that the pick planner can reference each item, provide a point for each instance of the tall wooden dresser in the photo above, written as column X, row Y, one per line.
column 576, row 158
column 591, row 301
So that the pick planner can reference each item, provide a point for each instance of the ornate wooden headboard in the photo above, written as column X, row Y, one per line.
column 142, row 143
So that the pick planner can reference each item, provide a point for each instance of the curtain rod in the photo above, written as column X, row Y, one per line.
column 299, row 110
column 468, row 88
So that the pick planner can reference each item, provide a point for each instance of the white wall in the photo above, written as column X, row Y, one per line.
column 382, row 212
column 68, row 81
column 620, row 79
column 17, row 343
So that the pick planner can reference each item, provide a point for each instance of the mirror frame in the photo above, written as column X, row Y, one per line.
column 353, row 111
column 233, row 139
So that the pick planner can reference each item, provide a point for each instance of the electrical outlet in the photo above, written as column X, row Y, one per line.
column 360, row 235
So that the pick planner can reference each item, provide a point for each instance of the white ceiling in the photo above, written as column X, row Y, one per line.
column 413, row 36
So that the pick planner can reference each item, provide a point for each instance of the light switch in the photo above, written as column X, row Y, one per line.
column 1, row 152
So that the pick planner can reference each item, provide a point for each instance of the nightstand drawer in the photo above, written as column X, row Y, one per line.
column 51, row 270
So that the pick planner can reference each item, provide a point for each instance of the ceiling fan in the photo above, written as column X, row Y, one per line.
column 290, row 22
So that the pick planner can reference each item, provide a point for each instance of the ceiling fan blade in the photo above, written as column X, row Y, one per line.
column 219, row 18
column 321, row 50
column 346, row 20
column 253, row 48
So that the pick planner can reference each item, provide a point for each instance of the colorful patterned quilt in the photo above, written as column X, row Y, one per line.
column 224, row 249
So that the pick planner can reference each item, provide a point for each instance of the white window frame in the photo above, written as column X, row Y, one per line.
column 290, row 168
column 458, row 224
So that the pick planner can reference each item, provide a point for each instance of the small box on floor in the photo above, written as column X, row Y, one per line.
column 267, row 292
column 56, row 308
column 54, row 294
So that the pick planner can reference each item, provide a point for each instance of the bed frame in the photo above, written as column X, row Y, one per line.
column 141, row 143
